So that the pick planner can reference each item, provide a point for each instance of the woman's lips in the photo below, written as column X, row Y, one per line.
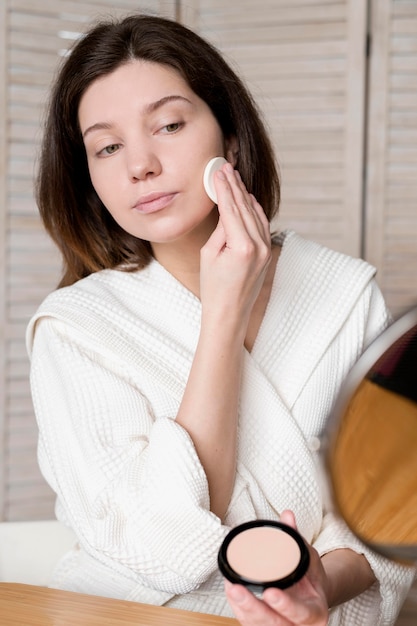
column 152, row 203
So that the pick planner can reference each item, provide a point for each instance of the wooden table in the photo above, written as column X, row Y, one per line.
column 26, row 605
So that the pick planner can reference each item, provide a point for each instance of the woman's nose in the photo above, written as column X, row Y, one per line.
column 142, row 163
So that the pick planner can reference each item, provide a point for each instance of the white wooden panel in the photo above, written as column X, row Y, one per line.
column 3, row 255
column 34, row 35
column 391, row 218
column 305, row 65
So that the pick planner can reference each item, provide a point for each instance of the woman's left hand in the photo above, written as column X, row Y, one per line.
column 303, row 604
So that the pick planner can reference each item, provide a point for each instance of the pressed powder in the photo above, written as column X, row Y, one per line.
column 262, row 554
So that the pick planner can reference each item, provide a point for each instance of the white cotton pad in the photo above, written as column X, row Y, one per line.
column 208, row 179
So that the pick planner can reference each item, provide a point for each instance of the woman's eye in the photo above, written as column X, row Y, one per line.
column 172, row 128
column 111, row 149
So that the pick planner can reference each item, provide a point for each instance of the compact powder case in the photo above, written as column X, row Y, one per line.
column 263, row 554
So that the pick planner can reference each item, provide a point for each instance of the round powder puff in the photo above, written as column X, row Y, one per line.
column 208, row 178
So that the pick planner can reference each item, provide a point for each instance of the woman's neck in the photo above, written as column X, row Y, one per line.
column 181, row 257
column 182, row 260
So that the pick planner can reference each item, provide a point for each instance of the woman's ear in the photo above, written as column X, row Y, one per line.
column 232, row 150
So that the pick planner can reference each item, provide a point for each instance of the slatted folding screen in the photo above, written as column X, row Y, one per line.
column 391, row 195
column 35, row 36
column 345, row 132
column 305, row 63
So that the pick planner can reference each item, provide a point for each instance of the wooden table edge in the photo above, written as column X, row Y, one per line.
column 33, row 604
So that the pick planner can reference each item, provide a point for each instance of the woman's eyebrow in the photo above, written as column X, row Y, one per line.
column 153, row 106
column 149, row 108
column 97, row 126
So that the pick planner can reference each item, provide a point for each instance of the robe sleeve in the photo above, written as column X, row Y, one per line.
column 384, row 598
column 131, row 485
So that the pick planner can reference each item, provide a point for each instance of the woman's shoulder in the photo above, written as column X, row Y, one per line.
column 111, row 302
column 103, row 297
column 106, row 286
column 316, row 282
column 293, row 242
column 302, row 256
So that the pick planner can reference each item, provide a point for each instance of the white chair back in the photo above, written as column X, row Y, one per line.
column 30, row 550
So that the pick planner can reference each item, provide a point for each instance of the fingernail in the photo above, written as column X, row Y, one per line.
column 220, row 175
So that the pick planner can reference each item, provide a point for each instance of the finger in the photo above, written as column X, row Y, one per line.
column 249, row 610
column 232, row 193
column 288, row 517
column 275, row 598
column 253, row 208
column 262, row 217
column 237, row 185
column 217, row 239
column 237, row 207
column 245, row 202
column 229, row 212
column 294, row 610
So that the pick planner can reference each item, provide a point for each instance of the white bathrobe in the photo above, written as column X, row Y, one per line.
column 110, row 360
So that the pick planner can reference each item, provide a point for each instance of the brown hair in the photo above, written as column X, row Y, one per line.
column 73, row 215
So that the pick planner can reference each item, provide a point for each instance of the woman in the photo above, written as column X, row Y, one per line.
column 187, row 361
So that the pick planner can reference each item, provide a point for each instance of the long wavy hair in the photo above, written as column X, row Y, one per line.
column 86, row 234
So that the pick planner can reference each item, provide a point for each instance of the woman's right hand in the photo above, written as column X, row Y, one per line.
column 235, row 259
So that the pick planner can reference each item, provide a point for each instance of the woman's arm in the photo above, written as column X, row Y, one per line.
column 233, row 267
column 348, row 574
column 129, row 480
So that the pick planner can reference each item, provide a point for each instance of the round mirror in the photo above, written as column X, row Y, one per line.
column 370, row 444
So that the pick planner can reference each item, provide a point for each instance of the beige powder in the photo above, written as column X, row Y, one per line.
column 263, row 554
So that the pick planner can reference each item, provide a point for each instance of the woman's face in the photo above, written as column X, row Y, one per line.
column 148, row 138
